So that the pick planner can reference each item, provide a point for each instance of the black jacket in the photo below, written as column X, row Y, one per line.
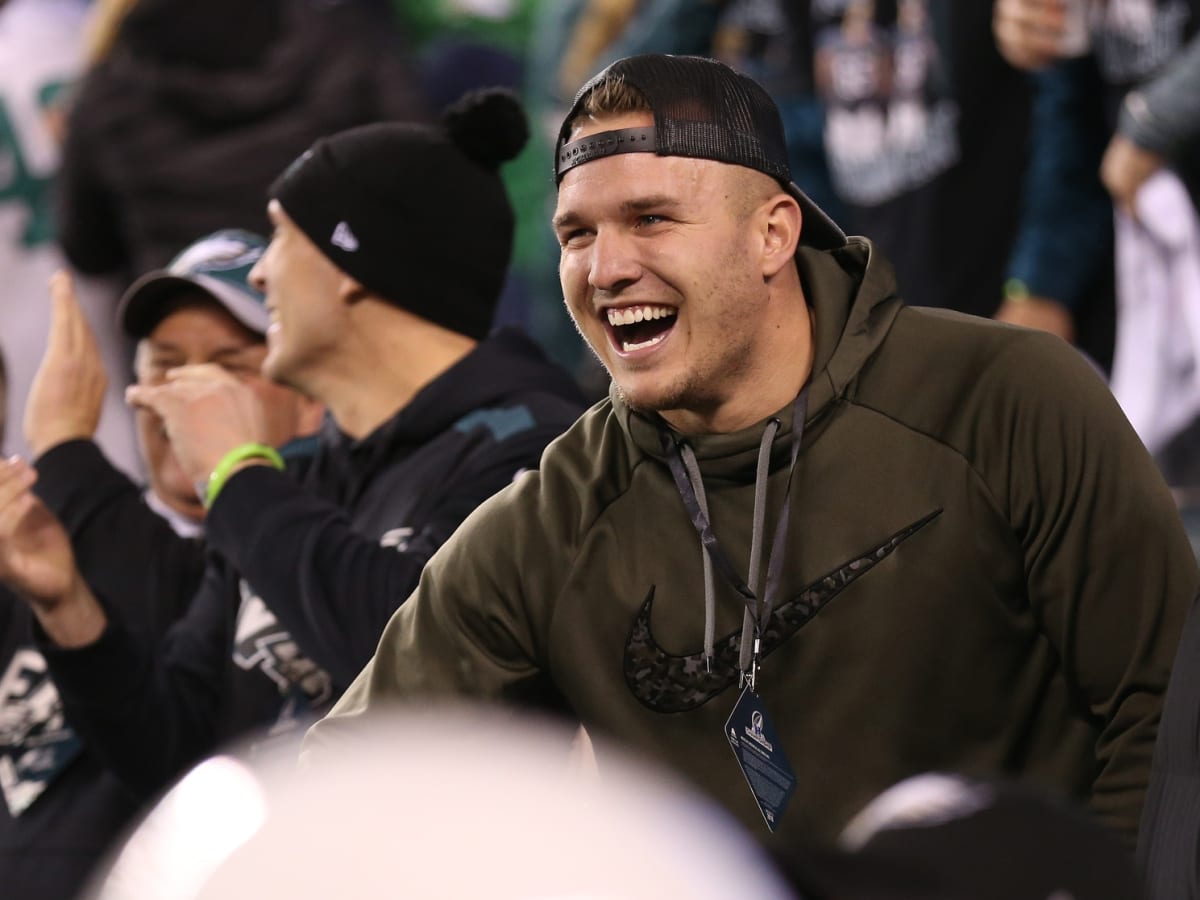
column 161, row 152
column 308, row 565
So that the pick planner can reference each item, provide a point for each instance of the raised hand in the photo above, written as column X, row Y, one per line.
column 206, row 411
column 37, row 564
column 67, row 394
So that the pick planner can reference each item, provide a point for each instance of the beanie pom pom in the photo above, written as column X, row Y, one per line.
column 489, row 126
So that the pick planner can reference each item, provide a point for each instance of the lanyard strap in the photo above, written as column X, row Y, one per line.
column 761, row 611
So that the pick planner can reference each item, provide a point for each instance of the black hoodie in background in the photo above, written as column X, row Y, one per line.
column 173, row 136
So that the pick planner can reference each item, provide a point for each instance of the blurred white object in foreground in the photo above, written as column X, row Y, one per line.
column 449, row 805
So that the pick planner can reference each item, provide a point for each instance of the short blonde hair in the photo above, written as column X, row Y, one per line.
column 612, row 96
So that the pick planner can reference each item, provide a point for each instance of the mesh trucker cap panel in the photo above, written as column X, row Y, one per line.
column 702, row 109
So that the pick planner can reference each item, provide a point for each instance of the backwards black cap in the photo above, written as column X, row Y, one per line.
column 702, row 109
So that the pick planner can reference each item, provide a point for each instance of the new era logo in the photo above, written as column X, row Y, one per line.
column 343, row 237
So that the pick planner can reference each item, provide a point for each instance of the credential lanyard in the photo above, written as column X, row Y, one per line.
column 759, row 610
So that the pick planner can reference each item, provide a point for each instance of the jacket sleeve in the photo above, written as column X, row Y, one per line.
column 126, row 552
column 1064, row 238
column 148, row 712
column 477, row 626
column 1163, row 115
column 1109, row 570
column 331, row 587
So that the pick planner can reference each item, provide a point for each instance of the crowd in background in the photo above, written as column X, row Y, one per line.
column 1009, row 161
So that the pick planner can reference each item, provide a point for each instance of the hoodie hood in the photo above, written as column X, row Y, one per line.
column 506, row 369
column 852, row 294
column 240, row 72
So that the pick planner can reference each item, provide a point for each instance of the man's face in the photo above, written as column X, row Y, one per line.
column 657, row 269
column 201, row 331
column 302, row 290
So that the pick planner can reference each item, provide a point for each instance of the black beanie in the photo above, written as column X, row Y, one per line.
column 417, row 214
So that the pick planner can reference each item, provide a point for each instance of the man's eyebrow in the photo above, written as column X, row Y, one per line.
column 654, row 201
column 636, row 205
column 562, row 220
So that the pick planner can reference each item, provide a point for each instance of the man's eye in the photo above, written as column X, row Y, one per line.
column 651, row 219
column 574, row 236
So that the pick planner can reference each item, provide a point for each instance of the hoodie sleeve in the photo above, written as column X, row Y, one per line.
column 125, row 550
column 477, row 626
column 1109, row 571
column 1163, row 115
column 149, row 711
column 331, row 587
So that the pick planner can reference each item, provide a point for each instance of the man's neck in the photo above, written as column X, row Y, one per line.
column 787, row 367
column 395, row 357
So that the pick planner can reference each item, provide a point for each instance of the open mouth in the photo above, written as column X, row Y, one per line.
column 638, row 327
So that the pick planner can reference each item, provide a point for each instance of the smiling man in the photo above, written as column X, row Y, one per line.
column 815, row 541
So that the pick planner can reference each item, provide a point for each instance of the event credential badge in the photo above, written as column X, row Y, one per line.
column 754, row 742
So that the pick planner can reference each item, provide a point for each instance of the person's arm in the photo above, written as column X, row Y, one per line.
column 1163, row 115
column 145, row 710
column 1159, row 123
column 331, row 587
column 126, row 551
column 1109, row 571
column 123, row 549
column 1064, row 238
column 477, row 625
column 148, row 711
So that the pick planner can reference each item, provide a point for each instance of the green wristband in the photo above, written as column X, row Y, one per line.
column 224, row 468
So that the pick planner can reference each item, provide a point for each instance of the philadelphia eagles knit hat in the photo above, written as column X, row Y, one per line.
column 702, row 109
column 218, row 264
column 416, row 213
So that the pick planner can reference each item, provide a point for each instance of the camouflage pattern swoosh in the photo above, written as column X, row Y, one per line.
column 669, row 684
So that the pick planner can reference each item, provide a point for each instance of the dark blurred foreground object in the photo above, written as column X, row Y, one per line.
column 946, row 837
column 199, row 104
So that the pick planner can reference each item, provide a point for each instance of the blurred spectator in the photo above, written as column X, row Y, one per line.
column 40, row 54
column 926, row 134
column 1148, row 73
column 178, row 130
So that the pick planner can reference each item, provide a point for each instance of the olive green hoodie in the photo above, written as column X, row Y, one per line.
column 984, row 573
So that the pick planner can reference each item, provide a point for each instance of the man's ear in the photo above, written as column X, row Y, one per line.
column 782, row 221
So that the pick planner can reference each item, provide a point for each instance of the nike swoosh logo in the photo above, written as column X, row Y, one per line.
column 669, row 684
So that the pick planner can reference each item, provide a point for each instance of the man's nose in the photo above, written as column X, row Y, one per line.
column 614, row 261
column 256, row 278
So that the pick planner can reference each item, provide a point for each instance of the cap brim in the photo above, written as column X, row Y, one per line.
column 143, row 306
column 818, row 229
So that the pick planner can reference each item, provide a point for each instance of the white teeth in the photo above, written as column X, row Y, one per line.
column 627, row 346
column 631, row 314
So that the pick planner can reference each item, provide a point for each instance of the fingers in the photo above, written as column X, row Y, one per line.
column 16, row 498
column 67, row 325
